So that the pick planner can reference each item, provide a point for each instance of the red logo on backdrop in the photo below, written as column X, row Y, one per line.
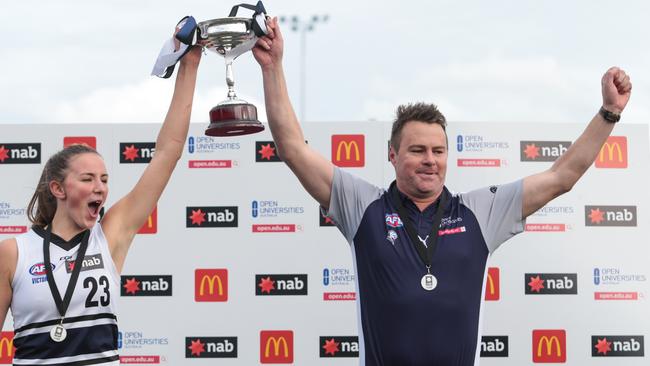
column 151, row 225
column 492, row 288
column 90, row 141
column 348, row 151
column 6, row 347
column 549, row 346
column 211, row 285
column 613, row 154
column 276, row 346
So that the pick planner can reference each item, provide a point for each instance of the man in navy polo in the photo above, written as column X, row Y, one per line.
column 419, row 251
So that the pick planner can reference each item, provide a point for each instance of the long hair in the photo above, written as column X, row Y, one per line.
column 42, row 206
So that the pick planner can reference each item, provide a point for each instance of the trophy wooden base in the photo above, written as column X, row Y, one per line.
column 233, row 120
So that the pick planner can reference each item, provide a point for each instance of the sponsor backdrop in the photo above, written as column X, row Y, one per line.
column 236, row 263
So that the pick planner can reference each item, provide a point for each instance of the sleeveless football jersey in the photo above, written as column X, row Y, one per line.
column 90, row 320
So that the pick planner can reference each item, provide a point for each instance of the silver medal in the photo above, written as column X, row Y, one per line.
column 429, row 282
column 58, row 333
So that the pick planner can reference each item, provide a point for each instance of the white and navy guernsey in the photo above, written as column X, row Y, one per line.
column 400, row 323
column 90, row 320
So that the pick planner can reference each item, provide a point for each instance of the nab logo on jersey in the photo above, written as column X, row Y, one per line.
column 90, row 141
column 276, row 346
column 136, row 152
column 7, row 349
column 280, row 284
column 339, row 346
column 492, row 289
column 151, row 225
column 494, row 346
column 551, row 283
column 25, row 153
column 211, row 216
column 542, row 150
column 210, row 347
column 210, row 285
column 549, row 346
column 146, row 285
column 348, row 151
column 613, row 154
column 617, row 346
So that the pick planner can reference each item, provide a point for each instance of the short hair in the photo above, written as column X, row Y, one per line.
column 420, row 112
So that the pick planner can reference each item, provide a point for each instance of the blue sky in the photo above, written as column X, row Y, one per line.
column 502, row 60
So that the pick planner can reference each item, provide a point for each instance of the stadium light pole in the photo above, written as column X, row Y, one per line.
column 303, row 27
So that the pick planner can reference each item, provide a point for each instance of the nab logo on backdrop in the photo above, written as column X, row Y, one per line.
column 136, row 152
column 280, row 284
column 266, row 152
column 348, row 151
column 210, row 347
column 492, row 288
column 151, row 225
column 338, row 346
column 146, row 285
column 494, row 346
column 90, row 141
column 25, row 153
column 211, row 285
column 542, row 150
column 276, row 346
column 613, row 154
column 610, row 215
column 549, row 346
column 6, row 347
column 551, row 283
column 617, row 346
column 211, row 216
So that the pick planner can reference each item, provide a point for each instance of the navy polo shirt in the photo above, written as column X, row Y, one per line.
column 400, row 322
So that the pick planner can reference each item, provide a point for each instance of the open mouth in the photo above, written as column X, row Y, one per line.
column 94, row 207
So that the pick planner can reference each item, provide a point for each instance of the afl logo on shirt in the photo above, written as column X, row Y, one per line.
column 39, row 269
column 393, row 220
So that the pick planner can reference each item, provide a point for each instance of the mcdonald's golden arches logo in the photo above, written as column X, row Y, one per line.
column 549, row 346
column 6, row 347
column 276, row 346
column 348, row 151
column 492, row 288
column 613, row 154
column 211, row 285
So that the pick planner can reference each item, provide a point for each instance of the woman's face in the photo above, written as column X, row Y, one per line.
column 85, row 189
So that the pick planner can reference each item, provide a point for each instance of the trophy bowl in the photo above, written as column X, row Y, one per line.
column 230, row 37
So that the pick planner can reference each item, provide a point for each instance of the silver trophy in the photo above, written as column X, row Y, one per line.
column 231, row 37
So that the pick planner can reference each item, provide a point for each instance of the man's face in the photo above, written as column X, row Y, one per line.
column 421, row 162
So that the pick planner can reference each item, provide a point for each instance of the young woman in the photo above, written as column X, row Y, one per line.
column 61, row 278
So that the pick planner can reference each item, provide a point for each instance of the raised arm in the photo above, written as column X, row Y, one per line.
column 124, row 219
column 541, row 188
column 312, row 169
